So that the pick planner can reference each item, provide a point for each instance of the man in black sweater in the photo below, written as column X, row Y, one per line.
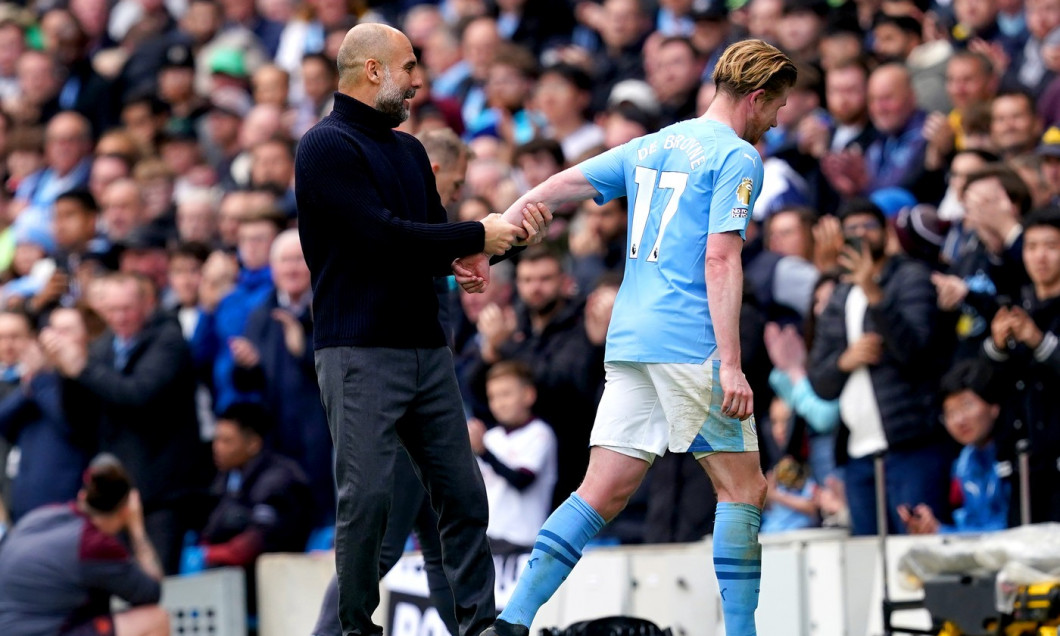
column 365, row 194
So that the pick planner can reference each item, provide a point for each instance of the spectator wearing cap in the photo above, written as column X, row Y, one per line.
column 1049, row 151
column 711, row 32
column 228, row 69
column 176, row 84
column 274, row 358
column 262, row 500
column 135, row 385
column 1023, row 351
column 1015, row 127
column 52, row 452
column 228, row 107
column 675, row 77
column 875, row 350
column 562, row 96
column 67, row 158
column 231, row 55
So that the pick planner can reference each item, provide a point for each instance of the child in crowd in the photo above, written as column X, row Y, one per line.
column 517, row 458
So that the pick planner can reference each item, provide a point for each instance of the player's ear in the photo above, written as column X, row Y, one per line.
column 757, row 97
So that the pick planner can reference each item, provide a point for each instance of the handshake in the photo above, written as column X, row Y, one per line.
column 472, row 272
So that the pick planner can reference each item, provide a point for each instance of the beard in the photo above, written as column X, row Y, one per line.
column 391, row 99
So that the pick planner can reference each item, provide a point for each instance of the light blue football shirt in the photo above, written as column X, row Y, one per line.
column 693, row 178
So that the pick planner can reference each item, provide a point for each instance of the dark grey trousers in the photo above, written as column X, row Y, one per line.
column 378, row 398
column 409, row 511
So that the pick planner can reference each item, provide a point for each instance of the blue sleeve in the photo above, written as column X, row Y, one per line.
column 607, row 173
column 781, row 384
column 737, row 183
column 822, row 415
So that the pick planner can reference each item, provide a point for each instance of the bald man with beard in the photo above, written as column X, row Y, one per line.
column 374, row 234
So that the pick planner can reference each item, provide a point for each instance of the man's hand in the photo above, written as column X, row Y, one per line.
column 1001, row 328
column 861, row 271
column 598, row 307
column 865, row 351
column 32, row 361
column 813, row 136
column 496, row 326
column 293, row 334
column 500, row 234
column 1024, row 329
column 475, row 431
column 244, row 352
column 536, row 219
column 940, row 139
column 845, row 170
column 739, row 400
column 786, row 350
column 67, row 356
column 52, row 291
column 952, row 290
column 472, row 273
column 919, row 520
column 827, row 243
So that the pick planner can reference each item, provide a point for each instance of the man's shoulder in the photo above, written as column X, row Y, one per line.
column 327, row 135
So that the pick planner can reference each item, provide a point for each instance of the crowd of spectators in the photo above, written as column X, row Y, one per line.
column 153, row 286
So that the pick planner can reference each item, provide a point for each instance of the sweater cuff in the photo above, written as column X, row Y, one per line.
column 994, row 353
column 1047, row 347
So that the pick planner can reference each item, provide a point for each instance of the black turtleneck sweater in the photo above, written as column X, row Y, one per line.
column 374, row 231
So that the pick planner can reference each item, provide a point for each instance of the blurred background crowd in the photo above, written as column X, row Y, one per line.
column 156, row 303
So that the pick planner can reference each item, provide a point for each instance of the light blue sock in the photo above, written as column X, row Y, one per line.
column 559, row 546
column 738, row 564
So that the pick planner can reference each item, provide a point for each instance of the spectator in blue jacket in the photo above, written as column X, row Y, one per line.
column 274, row 358
column 257, row 230
column 969, row 411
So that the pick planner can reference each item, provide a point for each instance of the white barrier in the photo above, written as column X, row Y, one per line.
column 814, row 583
column 210, row 603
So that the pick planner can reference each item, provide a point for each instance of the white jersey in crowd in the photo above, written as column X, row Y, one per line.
column 516, row 516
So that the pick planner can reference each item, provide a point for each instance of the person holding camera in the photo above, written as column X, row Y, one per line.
column 873, row 352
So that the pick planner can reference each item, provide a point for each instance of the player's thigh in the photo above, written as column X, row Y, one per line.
column 629, row 418
column 691, row 399
column 737, row 477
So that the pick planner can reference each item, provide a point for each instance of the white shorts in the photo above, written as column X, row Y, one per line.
column 649, row 408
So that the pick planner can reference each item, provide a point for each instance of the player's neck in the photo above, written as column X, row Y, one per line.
column 725, row 111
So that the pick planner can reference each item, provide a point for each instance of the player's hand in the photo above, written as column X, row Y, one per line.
column 293, row 333
column 500, row 234
column 475, row 431
column 536, row 219
column 244, row 352
column 739, row 400
column 952, row 290
column 472, row 273
column 866, row 351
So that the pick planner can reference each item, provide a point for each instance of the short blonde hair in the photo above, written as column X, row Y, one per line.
column 750, row 65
